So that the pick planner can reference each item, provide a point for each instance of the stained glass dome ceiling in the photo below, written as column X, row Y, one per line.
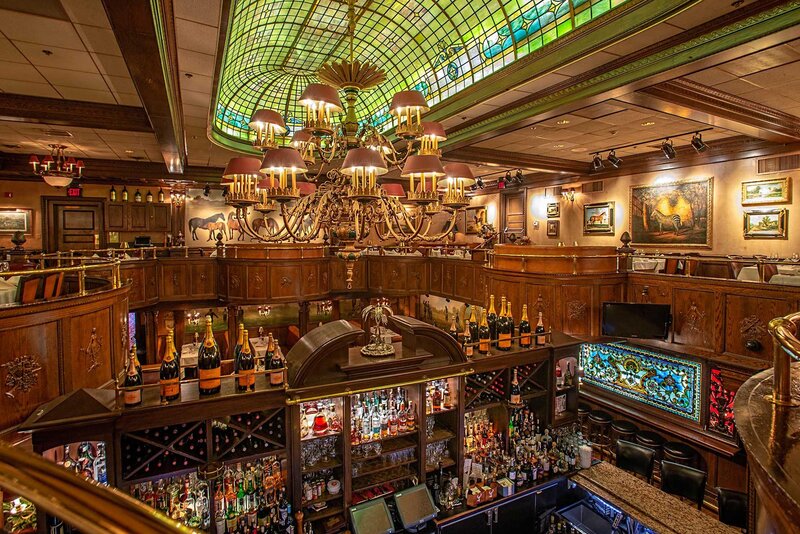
column 274, row 49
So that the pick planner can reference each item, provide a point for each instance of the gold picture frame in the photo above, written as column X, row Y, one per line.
column 766, row 223
column 767, row 191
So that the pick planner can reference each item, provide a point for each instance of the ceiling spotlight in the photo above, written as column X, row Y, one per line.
column 504, row 180
column 207, row 190
column 668, row 149
column 597, row 163
column 698, row 143
column 518, row 177
column 614, row 160
column 479, row 182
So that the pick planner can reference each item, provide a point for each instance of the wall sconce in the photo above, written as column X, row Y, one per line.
column 569, row 194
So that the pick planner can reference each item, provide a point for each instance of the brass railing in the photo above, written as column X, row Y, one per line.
column 85, row 505
column 784, row 331
column 95, row 265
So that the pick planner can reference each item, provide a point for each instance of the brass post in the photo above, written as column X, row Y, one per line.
column 82, row 281
column 784, row 332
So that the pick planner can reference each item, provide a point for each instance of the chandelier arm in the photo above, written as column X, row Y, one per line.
column 252, row 234
column 439, row 237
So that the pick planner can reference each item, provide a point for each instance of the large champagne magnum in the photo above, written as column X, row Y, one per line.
column 169, row 376
column 132, row 397
column 524, row 329
column 208, row 362
column 237, row 348
column 276, row 363
column 491, row 319
column 503, row 332
column 511, row 326
column 484, row 335
column 541, row 335
column 473, row 325
column 246, row 366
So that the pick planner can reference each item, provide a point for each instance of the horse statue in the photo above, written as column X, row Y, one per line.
column 200, row 222
column 234, row 224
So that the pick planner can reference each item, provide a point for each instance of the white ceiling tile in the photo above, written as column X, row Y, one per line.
column 586, row 64
column 126, row 99
column 506, row 98
column 711, row 77
column 9, row 52
column 43, row 31
column 776, row 76
column 195, row 62
column 737, row 87
column 543, row 82
column 111, row 65
column 88, row 12
column 86, row 95
column 196, row 37
column 196, row 99
column 643, row 39
column 60, row 57
column 23, row 72
column 28, row 88
column 73, row 78
column 195, row 121
column 120, row 84
column 99, row 40
column 203, row 11
column 195, row 111
column 197, row 82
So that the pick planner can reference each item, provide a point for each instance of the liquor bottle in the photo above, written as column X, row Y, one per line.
column 124, row 193
column 136, row 363
column 473, row 324
column 149, row 196
column 484, row 335
column 559, row 376
column 503, row 333
column 437, row 399
column 112, row 194
column 238, row 347
column 511, row 325
column 276, row 364
column 246, row 366
column 453, row 329
column 568, row 377
column 411, row 418
column 540, row 336
column 209, row 362
column 99, row 467
column 524, row 329
column 160, row 195
column 137, row 196
column 132, row 380
column 491, row 318
column 468, row 340
column 515, row 396
column 169, row 375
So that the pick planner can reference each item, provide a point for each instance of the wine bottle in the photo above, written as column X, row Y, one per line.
column 136, row 363
column 515, row 397
column 124, row 193
column 133, row 397
column 491, row 319
column 525, row 329
column 275, row 363
column 238, row 348
column 246, row 366
column 160, row 195
column 473, row 324
column 169, row 376
column 137, row 196
column 568, row 377
column 484, row 335
column 113, row 194
column 209, row 362
column 503, row 335
column 511, row 326
column 149, row 196
column 540, row 336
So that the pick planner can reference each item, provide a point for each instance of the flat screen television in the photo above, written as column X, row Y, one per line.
column 371, row 517
column 643, row 321
column 415, row 507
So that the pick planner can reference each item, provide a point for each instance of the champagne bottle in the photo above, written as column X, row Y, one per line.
column 473, row 324
column 169, row 375
column 238, row 348
column 511, row 327
column 525, row 329
column 467, row 341
column 276, row 365
column 515, row 397
column 136, row 363
column 208, row 362
column 246, row 366
column 132, row 380
column 484, row 335
column 503, row 335
column 568, row 377
column 540, row 335
column 491, row 319
column 453, row 329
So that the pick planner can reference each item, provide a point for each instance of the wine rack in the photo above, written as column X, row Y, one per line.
column 533, row 379
column 485, row 389
column 154, row 452
column 248, row 434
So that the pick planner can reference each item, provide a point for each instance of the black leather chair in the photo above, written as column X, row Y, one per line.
column 732, row 507
column 683, row 481
column 635, row 458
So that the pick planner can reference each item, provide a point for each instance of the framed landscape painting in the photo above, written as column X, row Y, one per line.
column 765, row 224
column 771, row 191
column 598, row 218
column 675, row 214
column 553, row 210
column 16, row 220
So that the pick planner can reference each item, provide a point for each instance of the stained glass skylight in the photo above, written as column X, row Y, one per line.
column 275, row 48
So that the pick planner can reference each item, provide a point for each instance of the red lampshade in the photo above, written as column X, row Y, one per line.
column 408, row 99
column 394, row 190
column 416, row 165
column 80, row 164
column 363, row 158
column 70, row 161
column 264, row 119
column 317, row 94
column 48, row 159
column 457, row 173
column 241, row 166
column 300, row 136
column 283, row 159
column 33, row 160
column 434, row 129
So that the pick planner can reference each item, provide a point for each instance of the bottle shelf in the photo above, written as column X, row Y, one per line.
column 386, row 438
column 445, row 410
column 484, row 389
column 320, row 466
column 386, row 477
column 247, row 434
column 312, row 436
column 157, row 452
column 446, row 463
column 441, row 434
column 379, row 467
column 324, row 513
column 324, row 498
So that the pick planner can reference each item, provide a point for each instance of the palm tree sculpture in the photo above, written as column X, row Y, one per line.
column 379, row 314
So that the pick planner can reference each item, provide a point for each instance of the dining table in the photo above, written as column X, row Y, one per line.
column 8, row 290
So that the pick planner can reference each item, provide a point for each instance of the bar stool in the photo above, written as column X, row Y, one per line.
column 652, row 440
column 680, row 453
column 599, row 422
column 636, row 458
column 683, row 481
column 621, row 429
column 583, row 414
column 732, row 507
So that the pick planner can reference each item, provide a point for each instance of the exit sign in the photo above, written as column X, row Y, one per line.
column 75, row 191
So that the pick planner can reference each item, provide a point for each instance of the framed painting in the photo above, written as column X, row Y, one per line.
column 598, row 218
column 765, row 224
column 770, row 191
column 474, row 218
column 553, row 210
column 553, row 228
column 16, row 220
column 674, row 214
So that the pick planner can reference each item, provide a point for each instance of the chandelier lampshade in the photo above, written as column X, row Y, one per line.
column 240, row 167
column 266, row 124
column 242, row 175
column 394, row 190
column 320, row 102
column 408, row 107
column 363, row 160
column 432, row 134
column 283, row 165
column 54, row 180
column 458, row 176
column 56, row 169
column 422, row 167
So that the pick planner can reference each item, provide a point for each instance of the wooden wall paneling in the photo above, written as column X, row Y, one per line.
column 480, row 295
column 746, row 319
column 310, row 279
column 576, row 309
column 436, row 277
column 393, row 275
column 417, row 275
column 151, row 276
column 134, row 274
column 284, row 281
column 137, row 216
column 222, row 280
column 29, row 370
column 237, row 280
column 605, row 293
column 115, row 216
column 258, row 283
column 174, row 280
column 654, row 293
column 203, row 279
column 448, row 278
column 693, row 316
column 540, row 298
column 464, row 289
column 324, row 277
column 374, row 266
column 88, row 349
column 338, row 275
column 158, row 219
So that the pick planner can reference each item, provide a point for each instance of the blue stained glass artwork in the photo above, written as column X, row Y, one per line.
column 666, row 382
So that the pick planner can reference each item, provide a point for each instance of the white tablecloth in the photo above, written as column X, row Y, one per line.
column 8, row 290
column 785, row 279
column 789, row 269
column 649, row 264
column 749, row 274
column 189, row 355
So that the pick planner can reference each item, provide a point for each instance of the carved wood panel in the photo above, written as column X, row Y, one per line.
column 284, row 281
column 393, row 275
column 88, row 350
column 203, row 280
column 374, row 278
column 150, row 282
column 136, row 276
column 541, row 298
column 417, row 276
column 237, row 280
column 448, row 279
column 654, row 293
column 693, row 317
column 576, row 309
column 257, row 282
column 436, row 277
column 465, row 282
column 606, row 293
column 310, row 279
column 480, row 295
column 338, row 275
column 746, row 319
column 174, row 281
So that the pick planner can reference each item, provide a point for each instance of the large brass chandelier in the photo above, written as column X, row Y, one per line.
column 345, row 205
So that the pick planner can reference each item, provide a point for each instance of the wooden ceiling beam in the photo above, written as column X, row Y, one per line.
column 56, row 111
column 701, row 103
column 147, row 41
column 528, row 162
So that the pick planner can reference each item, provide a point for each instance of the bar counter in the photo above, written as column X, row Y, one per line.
column 647, row 504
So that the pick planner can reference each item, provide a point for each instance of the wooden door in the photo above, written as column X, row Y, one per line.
column 115, row 217
column 137, row 217
column 159, row 220
column 73, row 224
column 512, row 215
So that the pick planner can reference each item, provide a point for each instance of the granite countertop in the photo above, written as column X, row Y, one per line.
column 647, row 504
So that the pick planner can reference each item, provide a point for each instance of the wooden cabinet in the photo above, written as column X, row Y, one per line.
column 183, row 279
column 137, row 217
column 203, row 280
column 174, row 281
column 477, row 523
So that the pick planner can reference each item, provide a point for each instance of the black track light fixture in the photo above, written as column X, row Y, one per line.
column 479, row 182
column 614, row 160
column 698, row 143
column 207, row 190
column 519, row 178
column 597, row 163
column 668, row 149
